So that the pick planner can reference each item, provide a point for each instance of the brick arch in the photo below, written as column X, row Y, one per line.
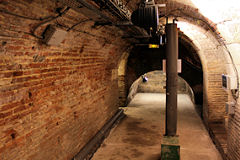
column 216, row 54
column 210, row 47
column 215, row 61
column 142, row 60
column 122, row 78
column 181, row 8
column 193, row 60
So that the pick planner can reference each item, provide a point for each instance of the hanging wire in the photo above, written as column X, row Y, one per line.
column 47, row 21
column 25, row 17
column 44, row 20
column 80, row 22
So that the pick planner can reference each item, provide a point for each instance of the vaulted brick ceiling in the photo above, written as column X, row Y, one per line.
column 220, row 16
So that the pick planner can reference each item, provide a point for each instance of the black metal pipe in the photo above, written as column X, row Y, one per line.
column 171, row 82
column 90, row 148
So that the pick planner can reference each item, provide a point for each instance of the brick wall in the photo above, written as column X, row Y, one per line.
column 233, row 152
column 234, row 121
column 53, row 99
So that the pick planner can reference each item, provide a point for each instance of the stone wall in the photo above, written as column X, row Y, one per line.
column 157, row 84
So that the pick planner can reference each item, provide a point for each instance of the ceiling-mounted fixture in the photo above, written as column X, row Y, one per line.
column 146, row 16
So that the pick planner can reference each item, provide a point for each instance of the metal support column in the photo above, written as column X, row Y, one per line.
column 171, row 75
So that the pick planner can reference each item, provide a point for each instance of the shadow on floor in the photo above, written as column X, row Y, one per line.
column 139, row 135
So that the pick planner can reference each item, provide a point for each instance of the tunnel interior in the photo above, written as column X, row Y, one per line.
column 56, row 98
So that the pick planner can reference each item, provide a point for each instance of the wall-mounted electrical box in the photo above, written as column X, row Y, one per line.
column 54, row 36
column 229, row 82
column 230, row 108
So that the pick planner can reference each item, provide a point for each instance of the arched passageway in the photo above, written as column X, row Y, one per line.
column 54, row 99
column 143, row 60
column 209, row 58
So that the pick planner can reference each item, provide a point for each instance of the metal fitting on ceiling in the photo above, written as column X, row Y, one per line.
column 116, row 7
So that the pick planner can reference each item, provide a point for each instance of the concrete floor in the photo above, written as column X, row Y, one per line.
column 138, row 136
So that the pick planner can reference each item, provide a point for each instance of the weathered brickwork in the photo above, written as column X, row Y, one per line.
column 216, row 97
column 233, row 151
column 53, row 100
